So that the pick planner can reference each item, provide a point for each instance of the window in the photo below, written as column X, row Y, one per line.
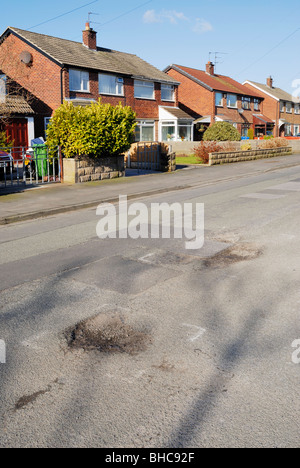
column 144, row 131
column 282, row 106
column 46, row 123
column 256, row 104
column 184, row 131
column 143, row 89
column 168, row 131
column 167, row 92
column 245, row 130
column 110, row 84
column 219, row 99
column 297, row 109
column 232, row 100
column 288, row 130
column 296, row 130
column 246, row 103
column 289, row 107
column 2, row 86
column 79, row 81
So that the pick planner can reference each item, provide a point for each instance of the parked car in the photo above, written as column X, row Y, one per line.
column 6, row 161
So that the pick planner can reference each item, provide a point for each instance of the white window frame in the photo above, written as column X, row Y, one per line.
column 282, row 106
column 3, row 87
column 289, row 108
column 236, row 102
column 222, row 99
column 84, row 78
column 119, row 91
column 296, row 132
column 144, row 84
column 297, row 109
column 165, row 87
column 288, row 130
column 146, row 123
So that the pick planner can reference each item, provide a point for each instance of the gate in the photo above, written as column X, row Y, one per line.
column 21, row 166
column 144, row 157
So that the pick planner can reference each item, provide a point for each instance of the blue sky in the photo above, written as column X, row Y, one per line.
column 258, row 38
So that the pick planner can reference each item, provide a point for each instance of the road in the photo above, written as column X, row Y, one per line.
column 209, row 363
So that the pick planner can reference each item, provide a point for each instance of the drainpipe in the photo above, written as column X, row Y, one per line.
column 62, row 84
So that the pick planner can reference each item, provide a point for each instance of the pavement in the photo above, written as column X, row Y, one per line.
column 37, row 202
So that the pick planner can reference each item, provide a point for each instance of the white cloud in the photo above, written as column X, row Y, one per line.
column 198, row 25
column 151, row 16
column 202, row 26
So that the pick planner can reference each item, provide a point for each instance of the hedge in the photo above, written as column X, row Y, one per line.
column 97, row 130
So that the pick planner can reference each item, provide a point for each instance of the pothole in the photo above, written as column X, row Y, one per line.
column 108, row 334
column 236, row 253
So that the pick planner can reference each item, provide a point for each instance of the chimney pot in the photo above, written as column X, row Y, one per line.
column 270, row 82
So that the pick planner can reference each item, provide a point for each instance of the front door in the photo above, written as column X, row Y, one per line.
column 17, row 130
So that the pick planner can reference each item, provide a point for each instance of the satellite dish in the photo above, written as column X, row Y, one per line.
column 240, row 111
column 26, row 57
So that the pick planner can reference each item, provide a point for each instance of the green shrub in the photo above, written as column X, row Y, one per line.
column 222, row 131
column 4, row 141
column 97, row 130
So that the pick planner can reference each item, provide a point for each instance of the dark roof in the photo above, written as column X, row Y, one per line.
column 214, row 82
column 75, row 54
column 277, row 93
column 15, row 105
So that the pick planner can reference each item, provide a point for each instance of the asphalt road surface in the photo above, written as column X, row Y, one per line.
column 207, row 360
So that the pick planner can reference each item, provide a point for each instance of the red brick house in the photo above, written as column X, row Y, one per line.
column 53, row 70
column 281, row 107
column 210, row 97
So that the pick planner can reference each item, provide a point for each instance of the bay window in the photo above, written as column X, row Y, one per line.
column 168, row 131
column 111, row 84
column 79, row 81
column 143, row 89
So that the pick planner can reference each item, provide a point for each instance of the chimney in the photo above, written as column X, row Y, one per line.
column 210, row 68
column 89, row 37
column 270, row 82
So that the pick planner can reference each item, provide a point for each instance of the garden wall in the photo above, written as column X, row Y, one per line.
column 90, row 169
column 238, row 156
column 187, row 147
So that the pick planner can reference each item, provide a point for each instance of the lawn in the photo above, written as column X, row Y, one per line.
column 182, row 159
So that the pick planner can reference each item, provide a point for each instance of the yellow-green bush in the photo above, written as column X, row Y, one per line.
column 97, row 130
column 246, row 147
